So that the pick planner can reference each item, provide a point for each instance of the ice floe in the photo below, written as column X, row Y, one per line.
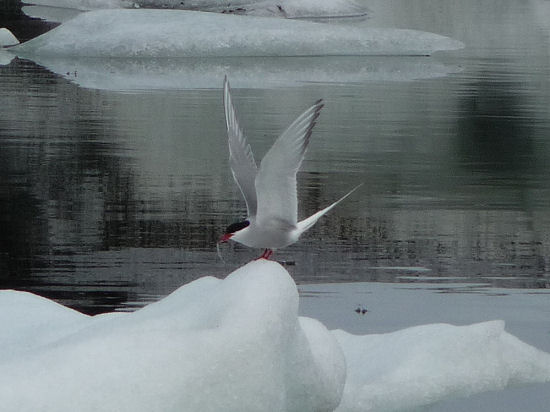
column 176, row 33
column 212, row 345
column 84, row 4
column 425, row 364
column 238, row 343
column 5, row 57
column 316, row 9
column 299, row 9
column 51, row 14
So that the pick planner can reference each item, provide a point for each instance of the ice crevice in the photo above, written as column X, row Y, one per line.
column 237, row 343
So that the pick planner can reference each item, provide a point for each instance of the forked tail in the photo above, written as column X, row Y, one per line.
column 310, row 221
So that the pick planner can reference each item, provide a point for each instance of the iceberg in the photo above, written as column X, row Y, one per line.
column 5, row 57
column 308, row 9
column 177, row 33
column 238, row 343
column 212, row 345
column 317, row 9
column 421, row 365
column 51, row 14
column 84, row 4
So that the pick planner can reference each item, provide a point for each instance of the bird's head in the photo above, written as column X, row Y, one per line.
column 232, row 229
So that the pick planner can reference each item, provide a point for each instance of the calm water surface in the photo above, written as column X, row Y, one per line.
column 111, row 198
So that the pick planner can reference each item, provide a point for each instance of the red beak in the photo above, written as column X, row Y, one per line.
column 225, row 237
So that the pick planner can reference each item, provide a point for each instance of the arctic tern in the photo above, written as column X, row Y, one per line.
column 270, row 190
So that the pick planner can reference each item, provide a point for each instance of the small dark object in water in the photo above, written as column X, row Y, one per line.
column 238, row 10
column 288, row 262
column 361, row 310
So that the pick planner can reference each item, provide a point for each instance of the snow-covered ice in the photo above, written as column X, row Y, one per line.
column 178, row 33
column 425, row 364
column 238, row 343
column 212, row 345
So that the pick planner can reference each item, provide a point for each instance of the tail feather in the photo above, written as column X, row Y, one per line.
column 305, row 224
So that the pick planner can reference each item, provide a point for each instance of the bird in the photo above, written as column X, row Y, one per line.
column 270, row 190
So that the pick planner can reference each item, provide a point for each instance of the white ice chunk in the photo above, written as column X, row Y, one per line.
column 7, row 38
column 231, row 345
column 214, row 5
column 29, row 321
column 421, row 365
column 5, row 57
column 176, row 33
column 308, row 9
column 238, row 345
column 277, row 8
column 51, row 14
column 84, row 4
column 114, row 4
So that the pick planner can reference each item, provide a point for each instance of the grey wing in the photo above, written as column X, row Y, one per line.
column 276, row 179
column 241, row 159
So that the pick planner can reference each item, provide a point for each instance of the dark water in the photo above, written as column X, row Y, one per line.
column 110, row 199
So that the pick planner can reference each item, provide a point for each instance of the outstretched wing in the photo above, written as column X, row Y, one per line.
column 241, row 159
column 276, row 179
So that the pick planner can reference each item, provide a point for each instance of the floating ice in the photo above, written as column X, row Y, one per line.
column 231, row 345
column 308, row 9
column 28, row 321
column 85, row 4
column 425, row 364
column 252, row 72
column 318, row 9
column 51, row 14
column 7, row 38
column 238, row 343
column 177, row 33
column 5, row 57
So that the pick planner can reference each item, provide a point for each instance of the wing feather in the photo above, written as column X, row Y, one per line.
column 241, row 159
column 276, row 178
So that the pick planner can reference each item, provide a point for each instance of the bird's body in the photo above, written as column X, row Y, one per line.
column 270, row 190
column 271, row 234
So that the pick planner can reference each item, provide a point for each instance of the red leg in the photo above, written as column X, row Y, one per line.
column 266, row 255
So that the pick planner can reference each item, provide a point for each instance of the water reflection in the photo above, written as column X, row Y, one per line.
column 494, row 131
column 109, row 200
column 249, row 72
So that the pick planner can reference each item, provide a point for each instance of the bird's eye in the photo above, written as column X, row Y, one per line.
column 235, row 227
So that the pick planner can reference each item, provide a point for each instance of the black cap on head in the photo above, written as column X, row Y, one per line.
column 235, row 227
